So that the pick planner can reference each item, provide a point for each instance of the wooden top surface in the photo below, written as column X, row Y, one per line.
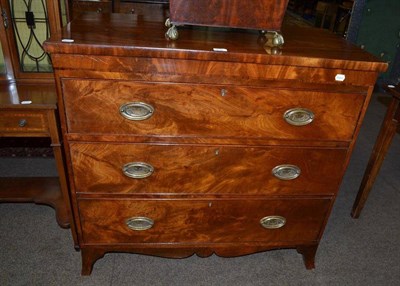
column 28, row 96
column 127, row 35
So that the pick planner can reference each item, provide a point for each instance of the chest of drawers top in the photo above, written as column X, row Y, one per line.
column 126, row 35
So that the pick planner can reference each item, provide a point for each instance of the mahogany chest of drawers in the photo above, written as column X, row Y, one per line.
column 175, row 148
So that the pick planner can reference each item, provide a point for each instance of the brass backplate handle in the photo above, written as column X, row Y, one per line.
column 273, row 222
column 299, row 116
column 139, row 223
column 286, row 172
column 137, row 170
column 136, row 111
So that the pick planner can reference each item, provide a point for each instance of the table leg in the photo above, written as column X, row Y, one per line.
column 387, row 131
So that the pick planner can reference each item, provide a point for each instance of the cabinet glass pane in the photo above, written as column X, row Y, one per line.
column 31, row 29
column 2, row 63
column 63, row 11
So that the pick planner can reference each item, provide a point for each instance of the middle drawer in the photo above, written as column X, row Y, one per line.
column 185, row 169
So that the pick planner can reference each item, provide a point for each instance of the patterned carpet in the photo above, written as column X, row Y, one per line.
column 25, row 147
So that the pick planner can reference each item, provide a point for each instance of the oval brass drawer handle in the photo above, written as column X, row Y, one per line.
column 298, row 116
column 273, row 221
column 286, row 172
column 136, row 111
column 139, row 223
column 137, row 170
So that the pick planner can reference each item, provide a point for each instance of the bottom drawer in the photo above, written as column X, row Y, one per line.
column 202, row 221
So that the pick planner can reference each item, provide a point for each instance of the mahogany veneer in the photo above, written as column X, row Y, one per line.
column 235, row 152
column 204, row 169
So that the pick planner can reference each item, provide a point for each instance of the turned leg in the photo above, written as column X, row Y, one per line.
column 387, row 131
column 89, row 257
column 308, row 253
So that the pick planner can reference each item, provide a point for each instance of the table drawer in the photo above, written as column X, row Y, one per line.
column 18, row 121
column 184, row 169
column 99, row 107
column 202, row 221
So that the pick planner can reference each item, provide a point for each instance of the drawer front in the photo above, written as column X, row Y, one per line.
column 100, row 107
column 274, row 70
column 142, row 168
column 17, row 121
column 202, row 221
column 202, row 110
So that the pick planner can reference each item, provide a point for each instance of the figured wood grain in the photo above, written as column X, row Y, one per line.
column 212, row 154
column 245, row 80
column 177, row 70
column 253, row 14
column 202, row 221
column 201, row 110
column 183, row 169
column 124, row 35
column 229, row 141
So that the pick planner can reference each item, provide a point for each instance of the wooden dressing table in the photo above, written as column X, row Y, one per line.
column 30, row 110
column 385, row 137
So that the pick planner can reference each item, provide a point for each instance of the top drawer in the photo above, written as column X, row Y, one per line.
column 136, row 108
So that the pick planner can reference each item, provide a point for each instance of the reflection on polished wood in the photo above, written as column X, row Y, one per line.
column 124, row 35
column 383, row 142
column 40, row 96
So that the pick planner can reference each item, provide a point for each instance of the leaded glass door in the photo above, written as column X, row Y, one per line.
column 28, row 23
